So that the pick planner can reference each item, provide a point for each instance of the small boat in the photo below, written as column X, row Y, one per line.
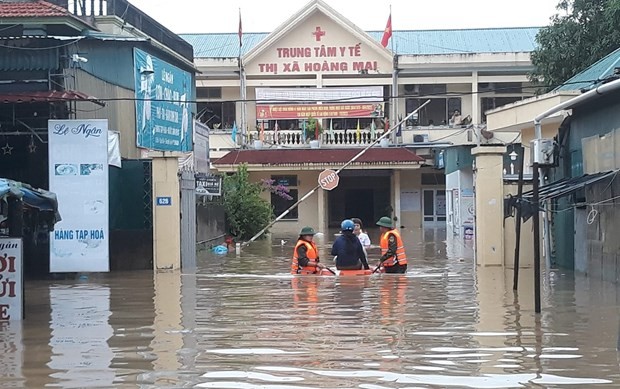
column 340, row 273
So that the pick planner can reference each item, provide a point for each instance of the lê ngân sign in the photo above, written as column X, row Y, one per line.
column 303, row 111
column 11, row 279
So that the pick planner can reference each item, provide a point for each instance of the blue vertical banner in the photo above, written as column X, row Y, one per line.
column 164, row 94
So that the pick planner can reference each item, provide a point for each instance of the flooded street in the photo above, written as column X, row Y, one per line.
column 243, row 322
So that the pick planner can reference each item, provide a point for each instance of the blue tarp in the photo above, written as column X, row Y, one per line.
column 35, row 198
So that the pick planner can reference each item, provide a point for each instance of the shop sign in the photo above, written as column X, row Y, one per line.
column 209, row 186
column 11, row 279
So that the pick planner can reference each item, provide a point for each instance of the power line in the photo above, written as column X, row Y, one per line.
column 339, row 100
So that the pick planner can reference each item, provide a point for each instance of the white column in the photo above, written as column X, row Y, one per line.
column 322, row 227
column 396, row 186
column 475, row 99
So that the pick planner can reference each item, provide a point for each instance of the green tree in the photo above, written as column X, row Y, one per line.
column 580, row 34
column 246, row 211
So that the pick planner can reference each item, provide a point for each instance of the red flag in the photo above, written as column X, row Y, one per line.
column 387, row 34
column 240, row 29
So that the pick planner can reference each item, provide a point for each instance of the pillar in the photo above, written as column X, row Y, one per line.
column 166, row 212
column 475, row 99
column 489, row 200
column 396, row 186
column 322, row 226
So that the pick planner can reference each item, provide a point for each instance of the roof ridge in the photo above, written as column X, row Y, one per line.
column 381, row 31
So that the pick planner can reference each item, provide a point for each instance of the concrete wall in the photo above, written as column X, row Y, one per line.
column 121, row 114
column 602, row 246
column 210, row 223
column 308, row 215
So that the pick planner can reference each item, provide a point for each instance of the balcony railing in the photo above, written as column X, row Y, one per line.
column 337, row 138
column 222, row 140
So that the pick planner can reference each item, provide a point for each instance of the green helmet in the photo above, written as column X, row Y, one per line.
column 307, row 231
column 385, row 222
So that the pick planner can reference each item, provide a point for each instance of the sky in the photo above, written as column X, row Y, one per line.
column 202, row 16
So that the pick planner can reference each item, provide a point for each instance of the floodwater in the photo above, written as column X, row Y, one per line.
column 243, row 322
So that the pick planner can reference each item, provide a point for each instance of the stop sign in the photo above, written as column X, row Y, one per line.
column 328, row 179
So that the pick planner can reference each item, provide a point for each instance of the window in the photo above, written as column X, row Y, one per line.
column 281, row 204
column 500, row 87
column 209, row 93
column 488, row 103
column 217, row 115
column 435, row 113
column 433, row 179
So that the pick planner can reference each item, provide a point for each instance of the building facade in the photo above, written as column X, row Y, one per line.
column 582, row 122
column 319, row 65
column 62, row 60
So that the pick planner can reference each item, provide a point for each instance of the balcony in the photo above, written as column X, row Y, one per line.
column 221, row 141
column 90, row 9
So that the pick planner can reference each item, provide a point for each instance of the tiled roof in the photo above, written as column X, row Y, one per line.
column 406, row 42
column 318, row 156
column 30, row 9
column 598, row 71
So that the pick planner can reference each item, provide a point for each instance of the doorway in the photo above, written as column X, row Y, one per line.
column 365, row 195
column 434, row 207
column 361, row 204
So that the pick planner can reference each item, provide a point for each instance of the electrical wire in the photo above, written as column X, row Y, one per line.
column 339, row 100
column 41, row 48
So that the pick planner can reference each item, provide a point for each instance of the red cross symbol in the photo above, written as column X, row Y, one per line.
column 318, row 33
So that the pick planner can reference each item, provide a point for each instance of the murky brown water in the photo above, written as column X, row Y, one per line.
column 242, row 322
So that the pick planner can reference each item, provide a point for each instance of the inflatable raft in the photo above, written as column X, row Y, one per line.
column 341, row 273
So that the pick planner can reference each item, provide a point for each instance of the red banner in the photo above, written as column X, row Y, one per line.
column 302, row 111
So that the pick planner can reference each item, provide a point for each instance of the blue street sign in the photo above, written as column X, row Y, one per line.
column 164, row 201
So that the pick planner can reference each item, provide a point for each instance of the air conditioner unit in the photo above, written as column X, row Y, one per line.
column 420, row 138
column 542, row 152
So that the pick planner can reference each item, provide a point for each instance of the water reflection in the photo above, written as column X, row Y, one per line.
column 80, row 331
column 241, row 321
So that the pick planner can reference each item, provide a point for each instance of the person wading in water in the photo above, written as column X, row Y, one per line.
column 393, row 257
column 348, row 250
column 306, row 254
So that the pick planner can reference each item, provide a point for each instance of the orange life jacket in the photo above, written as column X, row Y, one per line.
column 401, row 257
column 311, row 252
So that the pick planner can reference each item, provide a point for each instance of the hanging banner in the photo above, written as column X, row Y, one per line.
column 201, row 147
column 163, row 97
column 11, row 279
column 78, row 174
column 358, row 94
column 302, row 111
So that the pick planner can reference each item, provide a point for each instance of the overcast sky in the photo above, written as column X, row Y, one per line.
column 196, row 16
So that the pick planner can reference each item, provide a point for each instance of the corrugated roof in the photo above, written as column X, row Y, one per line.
column 46, row 96
column 406, row 42
column 30, row 9
column 318, row 156
column 598, row 71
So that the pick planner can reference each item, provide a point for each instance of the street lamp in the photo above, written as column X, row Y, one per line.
column 513, row 157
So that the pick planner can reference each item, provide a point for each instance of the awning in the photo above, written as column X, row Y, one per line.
column 47, row 96
column 35, row 198
column 567, row 186
column 319, row 158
